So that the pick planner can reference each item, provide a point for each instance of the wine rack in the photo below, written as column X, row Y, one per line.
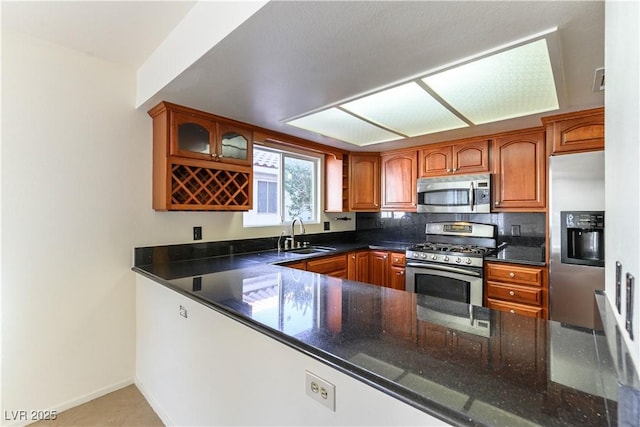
column 187, row 178
column 200, row 188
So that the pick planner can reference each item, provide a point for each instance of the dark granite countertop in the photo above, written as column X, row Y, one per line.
column 168, row 269
column 519, row 254
column 466, row 365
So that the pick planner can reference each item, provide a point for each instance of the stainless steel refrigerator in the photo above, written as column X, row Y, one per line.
column 576, row 199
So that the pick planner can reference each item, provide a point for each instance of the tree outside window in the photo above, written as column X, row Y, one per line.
column 298, row 188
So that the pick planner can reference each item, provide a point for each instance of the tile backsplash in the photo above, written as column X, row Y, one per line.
column 411, row 226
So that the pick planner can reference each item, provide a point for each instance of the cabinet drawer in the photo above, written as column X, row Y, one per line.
column 299, row 265
column 514, row 293
column 397, row 259
column 328, row 265
column 524, row 310
column 515, row 274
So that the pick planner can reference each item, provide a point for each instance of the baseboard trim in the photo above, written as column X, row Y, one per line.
column 94, row 395
column 164, row 417
column 78, row 401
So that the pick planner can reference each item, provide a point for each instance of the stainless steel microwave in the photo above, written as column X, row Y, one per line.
column 455, row 194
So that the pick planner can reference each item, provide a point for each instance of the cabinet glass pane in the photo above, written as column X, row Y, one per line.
column 234, row 146
column 193, row 137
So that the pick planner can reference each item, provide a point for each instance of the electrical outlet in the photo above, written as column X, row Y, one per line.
column 197, row 233
column 183, row 312
column 320, row 390
column 327, row 226
column 515, row 230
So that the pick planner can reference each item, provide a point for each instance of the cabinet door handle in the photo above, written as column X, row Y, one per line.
column 455, row 169
column 512, row 293
column 497, row 203
column 512, row 274
column 449, row 170
column 399, row 273
column 512, row 311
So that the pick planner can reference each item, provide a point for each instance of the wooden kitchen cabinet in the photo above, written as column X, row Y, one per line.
column 197, row 135
column 435, row 161
column 336, row 187
column 200, row 161
column 396, row 271
column 358, row 266
column 364, row 182
column 399, row 175
column 520, row 176
column 515, row 308
column 575, row 132
column 462, row 157
column 334, row 265
column 192, row 135
column 379, row 268
column 517, row 289
column 387, row 269
column 298, row 265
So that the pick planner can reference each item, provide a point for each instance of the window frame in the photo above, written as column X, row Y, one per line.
column 317, row 186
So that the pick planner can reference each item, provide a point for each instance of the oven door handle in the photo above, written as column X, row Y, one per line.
column 444, row 268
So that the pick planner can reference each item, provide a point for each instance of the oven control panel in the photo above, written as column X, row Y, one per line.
column 439, row 258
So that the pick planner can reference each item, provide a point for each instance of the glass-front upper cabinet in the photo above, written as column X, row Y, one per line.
column 193, row 136
column 235, row 144
column 201, row 138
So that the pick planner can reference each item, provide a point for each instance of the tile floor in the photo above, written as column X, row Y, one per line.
column 124, row 407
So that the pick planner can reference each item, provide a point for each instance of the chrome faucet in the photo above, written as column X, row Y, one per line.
column 293, row 231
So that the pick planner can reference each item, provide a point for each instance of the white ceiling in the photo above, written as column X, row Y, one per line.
column 126, row 32
column 293, row 57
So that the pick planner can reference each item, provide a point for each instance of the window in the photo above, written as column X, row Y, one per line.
column 285, row 186
column 267, row 197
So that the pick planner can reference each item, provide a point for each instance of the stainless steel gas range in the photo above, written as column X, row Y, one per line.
column 448, row 265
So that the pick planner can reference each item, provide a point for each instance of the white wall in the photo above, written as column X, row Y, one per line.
column 71, row 141
column 622, row 153
column 76, row 199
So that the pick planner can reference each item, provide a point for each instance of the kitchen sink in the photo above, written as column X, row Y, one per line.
column 307, row 250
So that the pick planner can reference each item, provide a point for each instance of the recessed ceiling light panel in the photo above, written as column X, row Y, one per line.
column 407, row 109
column 341, row 125
column 516, row 81
column 513, row 83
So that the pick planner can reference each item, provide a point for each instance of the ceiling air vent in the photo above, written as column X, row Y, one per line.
column 598, row 80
